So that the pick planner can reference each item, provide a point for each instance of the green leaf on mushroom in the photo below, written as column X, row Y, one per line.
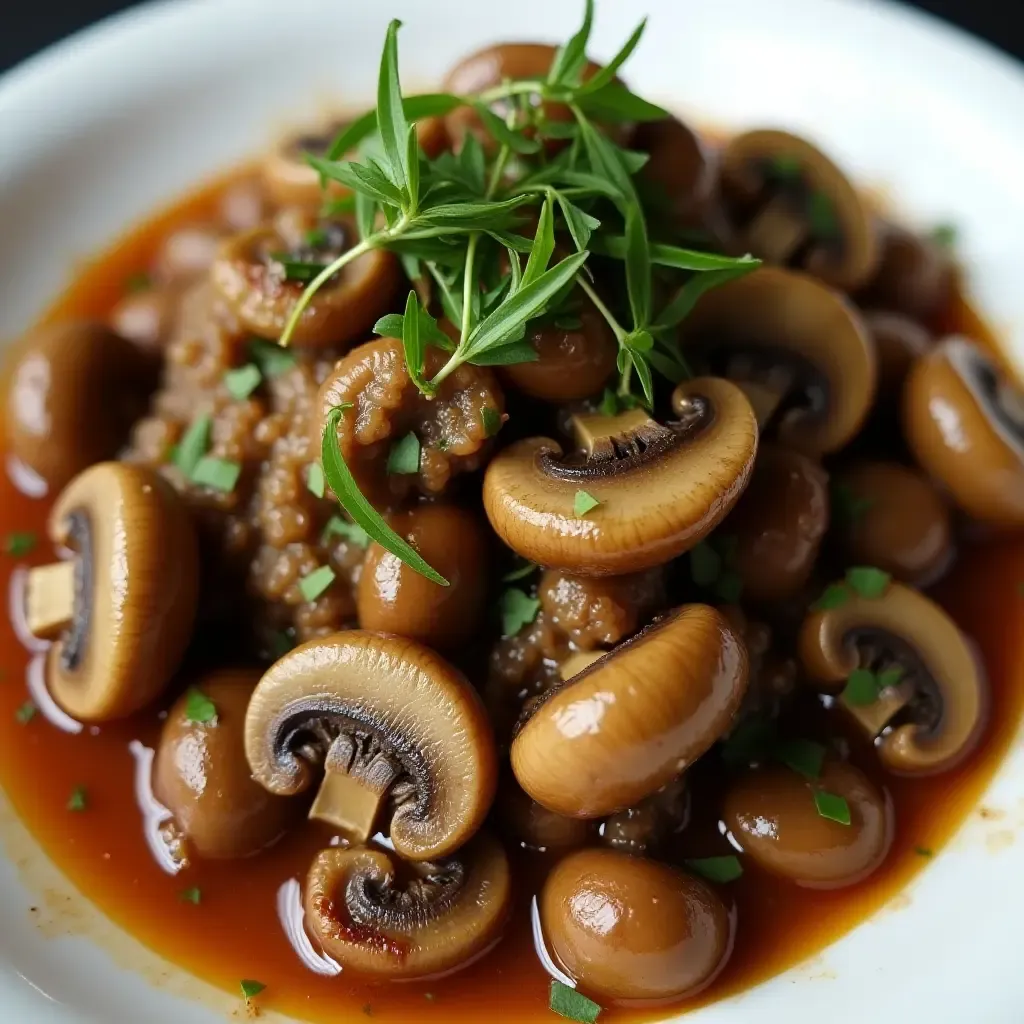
column 25, row 713
column 19, row 543
column 517, row 610
column 831, row 806
column 404, row 456
column 567, row 1002
column 79, row 800
column 242, row 382
column 583, row 503
column 314, row 584
column 199, row 708
column 867, row 581
column 193, row 445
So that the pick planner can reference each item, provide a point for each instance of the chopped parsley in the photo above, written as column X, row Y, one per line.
column 491, row 420
column 831, row 806
column 583, row 503
column 567, row 1002
column 78, row 801
column 19, row 543
column 25, row 713
column 315, row 479
column 352, row 532
column 821, row 215
column 313, row 585
column 192, row 447
column 241, row 383
column 711, row 567
column 835, row 595
column 520, row 572
column 850, row 508
column 404, row 457
column 923, row 851
column 316, row 237
column 867, row 581
column 717, row 869
column 785, row 167
column 199, row 708
column 517, row 610
column 251, row 989
column 271, row 358
column 298, row 271
column 945, row 235
column 864, row 687
column 217, row 474
column 281, row 643
column 193, row 895
column 804, row 756
column 752, row 740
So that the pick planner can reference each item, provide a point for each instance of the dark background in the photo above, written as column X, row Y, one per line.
column 26, row 27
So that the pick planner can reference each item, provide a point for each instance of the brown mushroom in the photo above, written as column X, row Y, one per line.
column 252, row 275
column 381, row 720
column 792, row 206
column 634, row 720
column 627, row 929
column 929, row 704
column 533, row 827
column 778, row 524
column 74, row 390
column 187, row 254
column 661, row 488
column 772, row 813
column 122, row 608
column 964, row 422
column 392, row 598
column 372, row 921
column 892, row 517
column 146, row 317
column 201, row 776
column 899, row 341
column 798, row 349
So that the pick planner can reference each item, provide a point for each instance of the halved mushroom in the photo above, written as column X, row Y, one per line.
column 74, row 391
column 964, row 422
column 661, row 488
column 792, row 206
column 122, row 608
column 437, row 918
column 634, row 720
column 254, row 273
column 798, row 349
column 930, row 704
column 380, row 720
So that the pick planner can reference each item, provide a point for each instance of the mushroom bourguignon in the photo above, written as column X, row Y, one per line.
column 511, row 543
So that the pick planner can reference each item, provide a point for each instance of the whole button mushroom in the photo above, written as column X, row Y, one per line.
column 772, row 814
column 919, row 688
column 74, row 391
column 799, row 350
column 661, row 488
column 380, row 720
column 899, row 341
column 791, row 205
column 635, row 719
column 122, row 608
column 201, row 776
column 418, row 921
column 627, row 929
column 964, row 422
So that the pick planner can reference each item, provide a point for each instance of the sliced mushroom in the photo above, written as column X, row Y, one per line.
column 251, row 275
column 634, row 720
column 933, row 710
column 792, row 206
column 74, row 390
column 799, row 350
column 447, row 914
column 122, row 608
column 661, row 488
column 631, row 930
column 380, row 720
column 964, row 422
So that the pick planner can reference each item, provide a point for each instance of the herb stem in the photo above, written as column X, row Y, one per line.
column 523, row 87
column 614, row 324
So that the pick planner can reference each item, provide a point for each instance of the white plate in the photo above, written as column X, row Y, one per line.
column 98, row 131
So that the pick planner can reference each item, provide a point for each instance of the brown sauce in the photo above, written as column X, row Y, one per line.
column 238, row 929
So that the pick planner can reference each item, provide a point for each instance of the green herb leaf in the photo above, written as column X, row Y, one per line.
column 804, row 756
column 391, row 122
column 687, row 297
column 25, row 713
column 415, row 355
column 491, row 420
column 643, row 369
column 517, row 610
column 716, row 869
column 241, row 383
column 785, row 167
column 351, row 532
column 571, row 59
column 192, row 447
column 833, row 807
column 364, row 179
column 520, row 573
column 849, row 507
column 638, row 268
column 567, row 1002
column 281, row 642
column 705, row 564
column 341, row 482
column 19, row 543
column 867, row 581
column 821, row 216
column 923, row 851
column 199, row 708
column 272, row 359
column 614, row 102
column 506, row 355
column 415, row 107
column 251, row 989
column 366, row 214
column 217, row 474
column 393, row 326
column 751, row 741
column 193, row 895
column 945, row 235
column 313, row 585
column 580, row 224
column 862, row 688
column 611, row 69
column 472, row 215
column 835, row 595
column 583, row 503
column 412, row 160
column 315, row 479
column 297, row 271
column 889, row 677
column 678, row 259
column 78, row 801
column 138, row 282
column 404, row 457
column 543, row 245
column 606, row 162
column 516, row 141
column 609, row 403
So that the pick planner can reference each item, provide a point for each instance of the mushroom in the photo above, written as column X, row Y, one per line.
column 424, row 920
column 577, row 662
column 772, row 814
column 899, row 341
column 647, row 827
column 792, row 206
column 122, row 608
column 627, row 929
column 964, row 422
column 931, row 704
column 778, row 524
column 799, row 350
column 187, row 254
column 380, row 719
column 146, row 318
column 74, row 391
column 893, row 517
column 634, row 720
column 533, row 827
column 201, row 776
column 392, row 598
column 252, row 275
column 661, row 488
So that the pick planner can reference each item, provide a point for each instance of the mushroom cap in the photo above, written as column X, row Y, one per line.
column 936, row 713
column 73, row 392
column 680, row 169
column 655, row 503
column 635, row 719
column 771, row 813
column 964, row 423
column 845, row 261
column 628, row 929
column 391, row 694
column 899, row 341
column 450, row 915
column 781, row 318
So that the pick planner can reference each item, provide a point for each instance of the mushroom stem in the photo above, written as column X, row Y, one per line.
column 764, row 399
column 874, row 717
column 603, row 438
column 579, row 662
column 775, row 232
column 50, row 599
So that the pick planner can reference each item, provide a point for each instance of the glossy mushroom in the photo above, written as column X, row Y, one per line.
column 791, row 205
column 627, row 929
column 772, row 814
column 634, row 720
column 201, row 776
column 798, row 349
column 424, row 920
column 121, row 609
column 661, row 487
column 964, row 422
column 899, row 341
column 73, row 392
column 379, row 720
column 932, row 708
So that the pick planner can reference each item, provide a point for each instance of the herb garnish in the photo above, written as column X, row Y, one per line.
column 25, row 713
column 517, row 610
column 193, row 895
column 711, row 567
column 521, row 572
column 250, row 989
column 352, row 532
column 583, row 503
column 199, row 708
column 833, row 807
column 404, row 457
column 138, row 282
column 567, row 1002
column 315, row 479
column 867, row 581
column 78, row 801
column 271, row 359
column 313, row 585
column 849, row 507
column 864, row 687
column 491, row 421
column 804, row 756
column 716, row 869
column 22, row 542
column 241, row 383
column 835, row 595
column 217, row 474
column 945, row 235
column 923, row 851
column 193, row 445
